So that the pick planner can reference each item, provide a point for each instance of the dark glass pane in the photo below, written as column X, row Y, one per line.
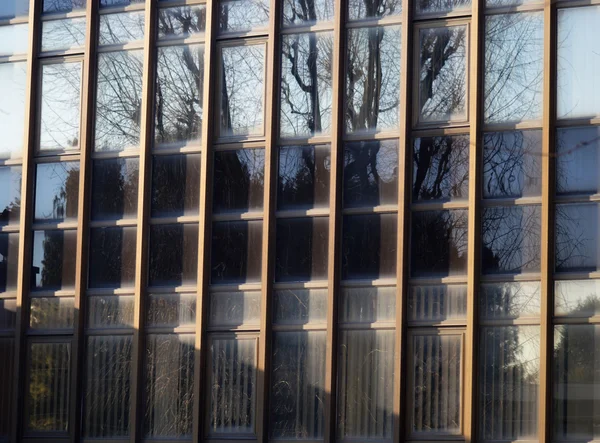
column 181, row 21
column 239, row 180
column 301, row 249
column 112, row 257
column 8, row 319
column 512, row 164
column 110, row 311
column 171, row 310
column 235, row 308
column 577, row 161
column 243, row 15
column 52, row 313
column 9, row 267
column 373, row 79
column 425, row 7
column 114, row 188
column 14, row 39
column 10, row 198
column 7, row 380
column 236, row 252
column 62, row 5
column 577, row 237
column 441, row 168
column 509, row 300
column 439, row 243
column 118, row 100
column 57, row 191
column 53, row 264
column 63, row 35
column 106, row 3
column 367, row 305
column 371, row 173
column 306, row 64
column 173, row 255
column 369, row 246
column 306, row 12
column 437, row 303
column 358, row 9
column 12, row 107
column 118, row 29
column 175, row 185
column 300, row 306
column 11, row 9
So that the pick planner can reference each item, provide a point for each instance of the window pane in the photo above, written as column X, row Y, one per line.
column 63, row 34
column 300, row 306
column 302, row 12
column 509, row 381
column 117, row 29
column 306, row 64
column 235, row 308
column 358, row 9
column 441, row 7
column 14, row 39
column 578, row 62
column 511, row 239
column 11, row 9
column 179, row 88
column 577, row 237
column 368, row 305
column 118, row 101
column 509, row 300
column 301, row 249
column 53, row 266
column 373, row 78
column 236, row 252
column 9, row 264
column 577, row 160
column 171, row 310
column 439, row 243
column 175, row 185
column 366, row 385
column 437, row 303
column 57, row 191
column 12, row 107
column 500, row 3
column 514, row 67
column 173, row 255
column 7, row 380
column 242, row 90
column 62, row 5
column 370, row 173
column 303, row 177
column 243, row 15
column 10, row 198
column 8, row 320
column 441, row 168
column 512, row 164
column 114, row 188
column 106, row 3
column 169, row 386
column 107, row 387
column 437, row 384
column 233, row 386
column 51, row 313
column 443, row 74
column 48, row 387
column 369, row 246
column 112, row 257
column 239, row 180
column 181, row 21
column 577, row 298
column 60, row 94
column 298, row 385
column 110, row 312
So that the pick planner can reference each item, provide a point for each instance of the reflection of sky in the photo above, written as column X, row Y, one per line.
column 121, row 28
column 10, row 179
column 571, row 296
column 50, row 182
column 63, row 34
column 14, row 39
column 13, row 8
column 12, row 107
column 578, row 161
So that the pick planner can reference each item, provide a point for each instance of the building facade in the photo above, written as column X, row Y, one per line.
column 299, row 220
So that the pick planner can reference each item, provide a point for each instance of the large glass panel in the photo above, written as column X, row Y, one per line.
column 441, row 168
column 9, row 267
column 242, row 90
column 14, row 39
column 8, row 317
column 368, row 305
column 118, row 29
column 439, row 243
column 369, row 246
column 371, row 173
column 179, row 88
column 578, row 62
column 59, row 108
column 577, row 298
column 51, row 313
column 7, row 364
column 509, row 300
column 298, row 385
column 12, row 108
column 110, row 311
column 118, row 100
column 173, row 255
column 442, row 88
column 114, row 188
column 175, row 185
column 107, row 3
column 578, row 160
column 13, row 8
column 358, row 9
column 437, row 303
column 48, row 387
column 306, row 12
column 514, row 67
column 233, row 385
column 181, row 21
column 169, row 386
column 236, row 252
column 300, row 306
column 373, row 79
column 366, row 385
column 53, row 264
column 577, row 237
column 107, row 387
column 63, row 35
column 62, row 5
column 243, row 15
column 57, row 191
column 501, row 3
column 239, row 180
column 112, row 257
column 171, row 310
column 509, row 382
column 426, row 7
column 235, row 308
column 10, row 198
column 306, row 65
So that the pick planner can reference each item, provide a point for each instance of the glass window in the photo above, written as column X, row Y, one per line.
column 7, row 380
column 509, row 383
column 577, row 237
column 9, row 267
column 181, row 21
column 62, row 5
column 300, row 306
column 8, row 320
column 425, row 7
column 439, row 243
column 298, row 385
column 118, row 29
column 171, row 310
column 236, row 252
column 359, row 9
column 514, row 67
column 14, row 39
column 242, row 90
column 57, row 191
column 437, row 303
column 442, row 88
column 302, row 12
column 13, row 78
column 63, row 35
column 577, row 298
column 501, row 3
column 53, row 266
column 112, row 257
column 306, row 68
column 441, row 168
column 51, row 313
column 235, row 308
column 368, row 305
column 10, row 198
column 118, row 100
column 373, row 78
column 179, row 89
column 578, row 160
column 110, row 311
column 578, row 62
column 243, row 15
column 509, row 300
column 173, row 255
column 301, row 249
column 60, row 94
column 13, row 8
column 239, row 180
column 369, row 246
column 175, row 185
column 114, row 188
column 107, row 3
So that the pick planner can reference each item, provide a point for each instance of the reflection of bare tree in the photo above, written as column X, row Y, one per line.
column 358, row 9
column 307, row 11
column 63, row 5
column 576, row 237
column 181, row 21
column 243, row 15
column 429, row 6
column 239, row 180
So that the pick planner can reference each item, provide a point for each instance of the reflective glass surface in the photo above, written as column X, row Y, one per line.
column 12, row 108
column 238, row 180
